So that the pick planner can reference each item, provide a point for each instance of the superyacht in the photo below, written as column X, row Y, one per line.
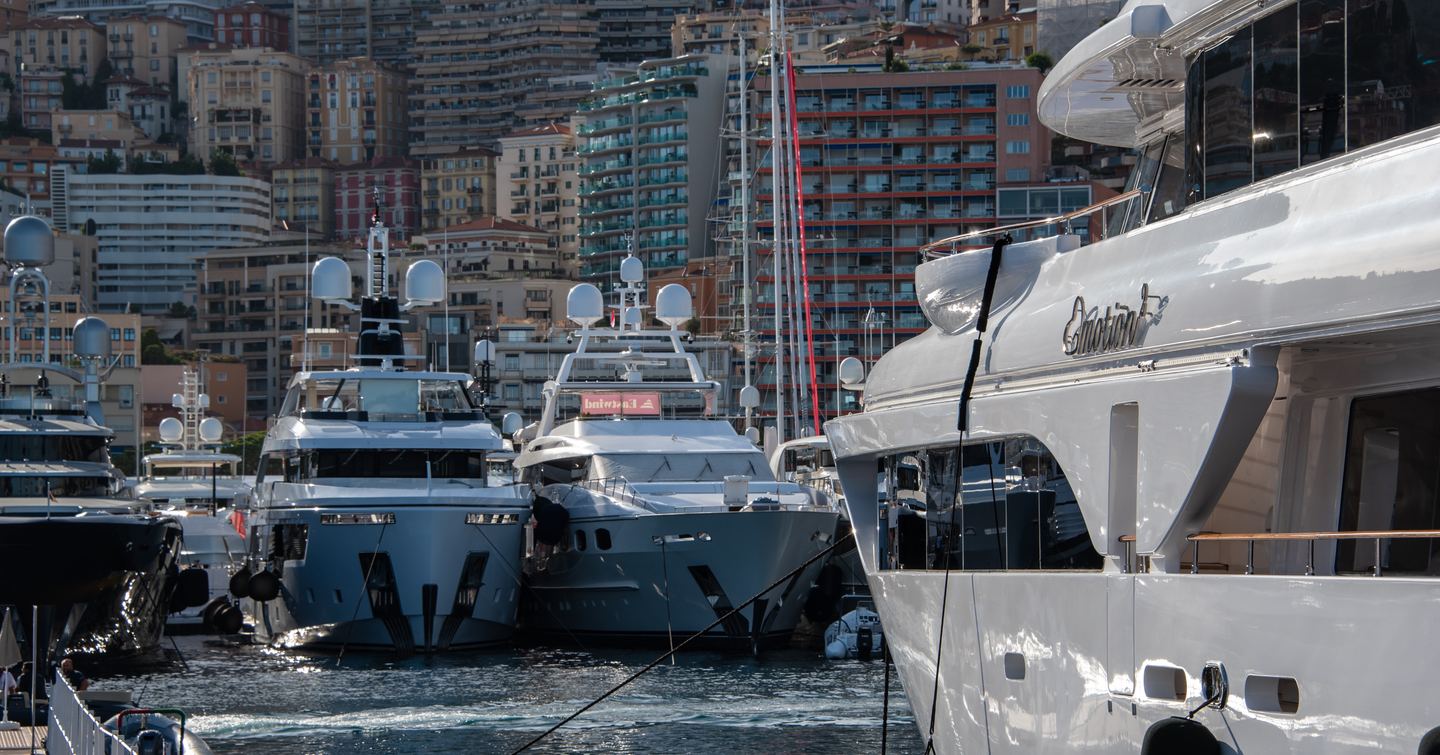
column 1235, row 379
column 376, row 521
column 97, row 572
column 193, row 481
column 654, row 519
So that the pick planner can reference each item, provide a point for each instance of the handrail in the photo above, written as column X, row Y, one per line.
column 1379, row 536
column 934, row 248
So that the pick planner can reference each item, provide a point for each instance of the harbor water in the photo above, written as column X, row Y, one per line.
column 259, row 700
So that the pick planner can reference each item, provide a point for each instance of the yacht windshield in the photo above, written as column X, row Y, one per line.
column 63, row 487
column 411, row 463
column 52, row 447
column 689, row 467
column 379, row 398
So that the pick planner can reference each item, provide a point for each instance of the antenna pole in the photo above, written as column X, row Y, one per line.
column 305, row 335
column 777, row 154
column 745, row 208
column 445, row 256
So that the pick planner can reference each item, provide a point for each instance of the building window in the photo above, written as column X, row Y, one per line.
column 1016, row 175
column 1017, row 147
column 1017, row 91
column 129, row 334
column 1017, row 119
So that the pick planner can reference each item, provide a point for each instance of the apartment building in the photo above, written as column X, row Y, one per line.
column 252, row 25
column 355, row 111
column 398, row 181
column 12, row 13
column 459, row 187
column 889, row 162
column 497, row 271
column 151, row 229
column 197, row 15
column 632, row 31
column 1006, row 36
column 649, row 152
column 68, row 43
column 144, row 48
column 221, row 379
column 382, row 30
column 26, row 165
column 303, row 193
column 537, row 182
column 248, row 102
column 481, row 66
column 252, row 304
column 149, row 107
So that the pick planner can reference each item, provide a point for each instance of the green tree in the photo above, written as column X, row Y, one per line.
column 247, row 447
column 223, row 164
column 1039, row 60
column 180, row 309
column 154, row 351
column 107, row 165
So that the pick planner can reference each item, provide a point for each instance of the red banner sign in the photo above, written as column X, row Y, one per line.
column 623, row 404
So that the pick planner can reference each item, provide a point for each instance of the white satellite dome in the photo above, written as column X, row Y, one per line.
column 171, row 430
column 852, row 372
column 92, row 338
column 584, row 305
column 211, row 429
column 29, row 242
column 424, row 284
column 673, row 305
column 632, row 270
column 330, row 279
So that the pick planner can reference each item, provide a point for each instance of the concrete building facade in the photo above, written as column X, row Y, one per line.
column 355, row 111
column 151, row 229
column 649, row 154
column 144, row 48
column 481, row 70
column 458, row 187
column 197, row 15
column 398, row 181
column 247, row 102
column 383, row 30
column 537, row 182
column 252, row 25
column 889, row 162
column 303, row 192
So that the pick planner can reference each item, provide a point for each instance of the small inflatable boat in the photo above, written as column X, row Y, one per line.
column 856, row 634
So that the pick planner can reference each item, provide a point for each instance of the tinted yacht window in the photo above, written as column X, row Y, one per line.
column 1391, row 68
column 1227, row 124
column 1322, row 79
column 1277, row 137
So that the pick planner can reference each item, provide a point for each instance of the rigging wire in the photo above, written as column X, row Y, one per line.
column 809, row 331
column 661, row 659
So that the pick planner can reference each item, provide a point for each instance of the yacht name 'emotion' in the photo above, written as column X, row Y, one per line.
column 1089, row 331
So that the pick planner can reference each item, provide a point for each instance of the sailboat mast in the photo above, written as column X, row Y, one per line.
column 745, row 205
column 777, row 201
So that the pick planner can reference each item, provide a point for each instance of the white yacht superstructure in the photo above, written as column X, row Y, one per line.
column 1238, row 384
column 656, row 519
column 376, row 520
column 193, row 481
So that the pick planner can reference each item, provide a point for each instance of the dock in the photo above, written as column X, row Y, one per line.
column 19, row 741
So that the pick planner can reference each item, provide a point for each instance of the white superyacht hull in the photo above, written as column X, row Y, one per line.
column 1049, row 662
column 620, row 593
column 433, row 583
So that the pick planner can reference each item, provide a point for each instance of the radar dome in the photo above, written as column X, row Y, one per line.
column 585, row 305
column 749, row 397
column 424, row 283
column 92, row 338
column 511, row 423
column 672, row 305
column 29, row 241
column 632, row 270
column 171, row 430
column 852, row 373
column 211, row 429
column 330, row 279
column 484, row 351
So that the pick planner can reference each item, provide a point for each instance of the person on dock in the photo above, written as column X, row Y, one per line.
column 8, row 684
column 27, row 679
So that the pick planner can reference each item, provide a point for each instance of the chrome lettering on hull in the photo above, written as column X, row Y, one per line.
column 1090, row 331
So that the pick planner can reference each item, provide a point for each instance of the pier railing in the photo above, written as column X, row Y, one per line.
column 954, row 244
column 74, row 730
